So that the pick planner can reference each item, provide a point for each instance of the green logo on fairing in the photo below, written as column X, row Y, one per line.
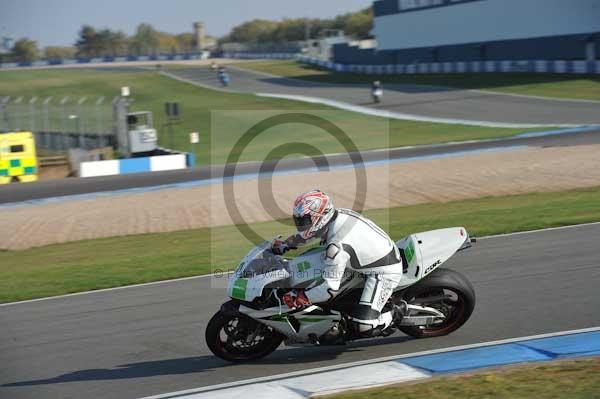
column 303, row 266
column 239, row 289
column 278, row 317
column 410, row 251
column 313, row 319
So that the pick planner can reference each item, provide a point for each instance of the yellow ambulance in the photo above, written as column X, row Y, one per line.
column 18, row 161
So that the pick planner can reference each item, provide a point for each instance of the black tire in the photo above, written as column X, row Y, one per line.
column 442, row 281
column 226, row 351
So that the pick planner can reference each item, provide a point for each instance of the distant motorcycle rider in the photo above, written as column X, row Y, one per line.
column 376, row 91
column 353, row 243
column 223, row 76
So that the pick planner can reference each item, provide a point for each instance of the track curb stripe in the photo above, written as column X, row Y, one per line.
column 408, row 367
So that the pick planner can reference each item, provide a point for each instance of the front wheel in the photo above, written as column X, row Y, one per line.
column 447, row 291
column 238, row 338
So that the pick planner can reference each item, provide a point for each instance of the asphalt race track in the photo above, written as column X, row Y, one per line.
column 13, row 193
column 147, row 340
column 426, row 101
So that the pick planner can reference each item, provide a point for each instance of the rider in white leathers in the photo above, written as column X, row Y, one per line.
column 352, row 242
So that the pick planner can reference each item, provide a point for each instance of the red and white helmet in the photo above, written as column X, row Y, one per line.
column 313, row 210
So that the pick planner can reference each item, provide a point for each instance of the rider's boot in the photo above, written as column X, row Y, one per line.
column 336, row 336
column 400, row 310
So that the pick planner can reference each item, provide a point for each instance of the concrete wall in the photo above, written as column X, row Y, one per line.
column 484, row 21
column 572, row 47
column 347, row 54
column 133, row 165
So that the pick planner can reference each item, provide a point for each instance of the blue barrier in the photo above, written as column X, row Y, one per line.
column 531, row 66
column 191, row 159
column 134, row 165
column 155, row 163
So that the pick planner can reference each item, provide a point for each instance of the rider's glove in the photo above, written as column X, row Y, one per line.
column 279, row 246
column 296, row 299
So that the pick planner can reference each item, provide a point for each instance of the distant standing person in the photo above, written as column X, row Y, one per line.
column 376, row 91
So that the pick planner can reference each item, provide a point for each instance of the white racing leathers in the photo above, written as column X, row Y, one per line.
column 354, row 243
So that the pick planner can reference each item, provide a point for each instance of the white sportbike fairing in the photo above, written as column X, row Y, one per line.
column 256, row 321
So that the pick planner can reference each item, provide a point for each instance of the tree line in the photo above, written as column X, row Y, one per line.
column 93, row 42
column 147, row 40
column 357, row 24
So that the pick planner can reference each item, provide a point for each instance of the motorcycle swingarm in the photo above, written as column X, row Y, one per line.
column 431, row 316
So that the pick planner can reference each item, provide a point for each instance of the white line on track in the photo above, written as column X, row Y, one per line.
column 371, row 111
column 411, row 117
column 369, row 361
column 198, row 84
column 518, row 233
column 574, row 226
column 240, row 67
column 175, row 280
column 569, row 100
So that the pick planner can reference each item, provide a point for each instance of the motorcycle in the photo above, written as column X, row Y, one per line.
column 377, row 94
column 224, row 79
column 255, row 321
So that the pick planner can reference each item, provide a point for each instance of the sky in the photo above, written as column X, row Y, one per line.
column 57, row 22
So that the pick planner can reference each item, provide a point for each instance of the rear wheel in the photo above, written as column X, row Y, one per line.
column 447, row 291
column 238, row 338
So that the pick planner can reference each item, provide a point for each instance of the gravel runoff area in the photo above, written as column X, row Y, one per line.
column 435, row 180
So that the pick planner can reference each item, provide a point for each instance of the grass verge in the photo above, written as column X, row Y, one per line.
column 567, row 379
column 150, row 91
column 535, row 84
column 87, row 265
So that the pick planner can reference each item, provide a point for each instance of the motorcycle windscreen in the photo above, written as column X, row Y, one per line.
column 258, row 268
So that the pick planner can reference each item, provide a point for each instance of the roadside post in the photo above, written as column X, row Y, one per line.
column 120, row 111
column 194, row 140
column 172, row 111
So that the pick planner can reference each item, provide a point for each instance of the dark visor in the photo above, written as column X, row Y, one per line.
column 303, row 222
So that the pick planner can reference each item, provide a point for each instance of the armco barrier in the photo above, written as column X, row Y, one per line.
column 252, row 55
column 533, row 66
column 134, row 165
column 530, row 66
column 87, row 60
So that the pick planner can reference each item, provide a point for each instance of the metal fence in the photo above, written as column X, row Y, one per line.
column 60, row 122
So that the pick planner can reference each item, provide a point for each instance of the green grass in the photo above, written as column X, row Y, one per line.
column 535, row 84
column 86, row 265
column 572, row 379
column 150, row 91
